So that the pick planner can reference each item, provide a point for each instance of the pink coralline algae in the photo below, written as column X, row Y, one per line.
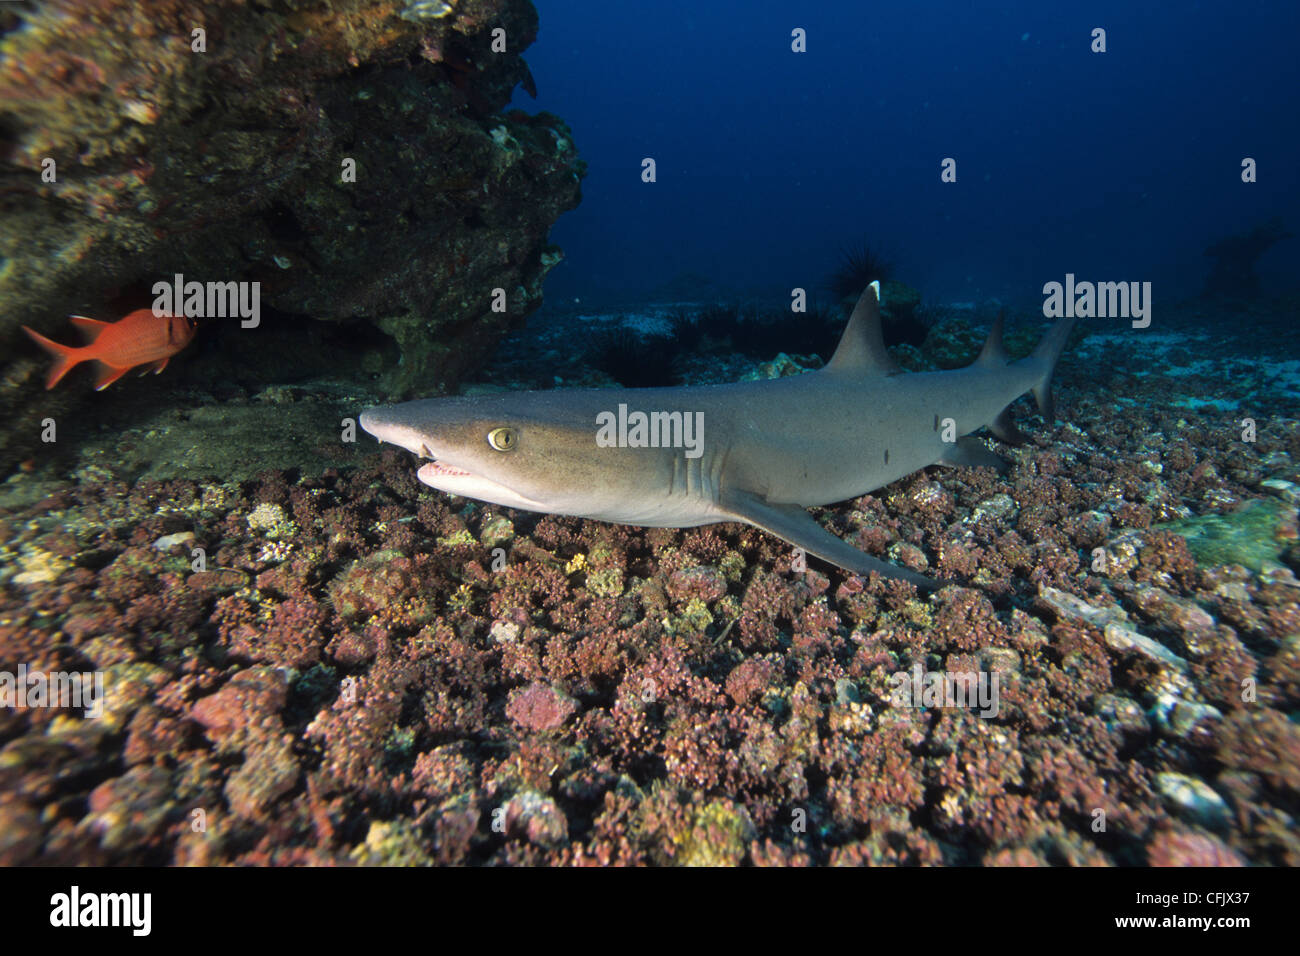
column 540, row 707
column 1185, row 848
column 250, row 703
column 382, row 689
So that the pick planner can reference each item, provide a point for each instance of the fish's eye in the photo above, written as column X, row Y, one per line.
column 502, row 439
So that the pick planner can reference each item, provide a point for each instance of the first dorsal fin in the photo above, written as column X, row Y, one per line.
column 862, row 346
column 994, row 353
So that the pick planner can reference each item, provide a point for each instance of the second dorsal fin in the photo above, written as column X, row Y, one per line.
column 994, row 352
column 88, row 327
column 862, row 346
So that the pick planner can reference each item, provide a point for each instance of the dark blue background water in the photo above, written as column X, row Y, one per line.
column 1114, row 166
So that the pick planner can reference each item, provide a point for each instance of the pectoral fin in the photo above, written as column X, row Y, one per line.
column 794, row 525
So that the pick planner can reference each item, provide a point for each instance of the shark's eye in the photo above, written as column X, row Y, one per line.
column 502, row 439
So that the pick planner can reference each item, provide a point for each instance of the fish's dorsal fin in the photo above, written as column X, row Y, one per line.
column 994, row 353
column 862, row 346
column 88, row 327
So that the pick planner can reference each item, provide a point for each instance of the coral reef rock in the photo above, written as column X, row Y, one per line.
column 352, row 157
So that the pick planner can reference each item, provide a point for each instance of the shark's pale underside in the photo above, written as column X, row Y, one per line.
column 769, row 449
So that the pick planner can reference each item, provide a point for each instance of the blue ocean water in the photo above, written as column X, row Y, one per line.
column 1116, row 165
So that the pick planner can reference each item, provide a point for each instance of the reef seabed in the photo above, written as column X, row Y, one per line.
column 362, row 670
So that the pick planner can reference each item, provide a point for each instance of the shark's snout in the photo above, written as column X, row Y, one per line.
column 457, row 448
column 377, row 420
column 369, row 418
column 394, row 429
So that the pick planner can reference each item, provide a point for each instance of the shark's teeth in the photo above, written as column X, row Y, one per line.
column 434, row 469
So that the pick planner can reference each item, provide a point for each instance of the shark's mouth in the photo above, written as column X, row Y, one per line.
column 458, row 481
column 439, row 474
column 434, row 469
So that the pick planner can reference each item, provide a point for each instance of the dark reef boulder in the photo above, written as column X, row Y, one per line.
column 228, row 165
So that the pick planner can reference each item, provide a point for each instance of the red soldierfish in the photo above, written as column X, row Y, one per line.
column 140, row 338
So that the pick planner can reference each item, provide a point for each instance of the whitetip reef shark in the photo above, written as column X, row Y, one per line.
column 753, row 452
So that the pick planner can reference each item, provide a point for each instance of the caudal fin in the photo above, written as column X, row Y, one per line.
column 65, row 357
column 1047, row 354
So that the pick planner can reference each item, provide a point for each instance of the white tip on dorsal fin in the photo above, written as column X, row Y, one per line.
column 994, row 352
column 862, row 346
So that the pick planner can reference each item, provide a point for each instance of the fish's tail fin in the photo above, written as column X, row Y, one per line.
column 65, row 356
column 1046, row 355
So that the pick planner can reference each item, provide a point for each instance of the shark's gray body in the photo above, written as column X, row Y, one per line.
column 769, row 449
